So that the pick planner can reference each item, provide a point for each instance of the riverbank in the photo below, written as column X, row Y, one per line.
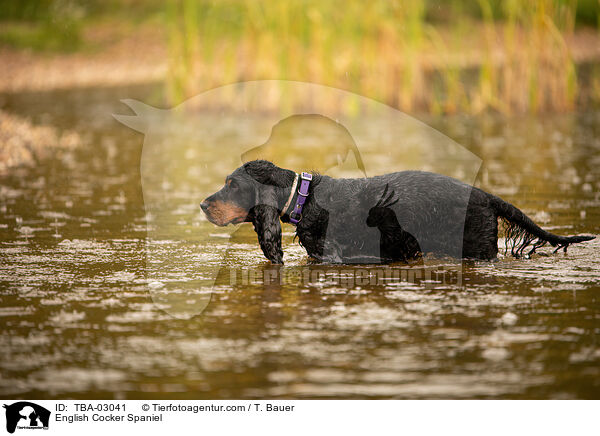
column 138, row 56
column 25, row 143
column 142, row 55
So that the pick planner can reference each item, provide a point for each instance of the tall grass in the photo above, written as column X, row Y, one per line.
column 469, row 55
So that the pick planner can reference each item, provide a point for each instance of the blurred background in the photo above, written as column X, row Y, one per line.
column 423, row 55
column 516, row 83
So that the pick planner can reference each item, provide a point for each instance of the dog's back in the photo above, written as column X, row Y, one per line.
column 430, row 207
column 444, row 215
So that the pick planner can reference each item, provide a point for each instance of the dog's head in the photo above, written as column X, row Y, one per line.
column 255, row 192
column 255, row 183
column 231, row 204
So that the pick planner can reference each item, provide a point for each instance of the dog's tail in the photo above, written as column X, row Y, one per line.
column 522, row 232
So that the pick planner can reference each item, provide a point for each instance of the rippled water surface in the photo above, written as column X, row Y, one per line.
column 79, row 321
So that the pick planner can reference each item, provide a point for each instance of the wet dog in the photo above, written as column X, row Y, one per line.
column 394, row 217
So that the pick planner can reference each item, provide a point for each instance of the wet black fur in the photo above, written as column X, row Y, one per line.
column 431, row 208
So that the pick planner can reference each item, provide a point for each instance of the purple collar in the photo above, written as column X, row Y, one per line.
column 296, row 213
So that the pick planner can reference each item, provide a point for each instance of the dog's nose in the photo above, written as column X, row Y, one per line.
column 204, row 206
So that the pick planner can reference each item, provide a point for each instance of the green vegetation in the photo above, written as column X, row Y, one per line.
column 58, row 25
column 437, row 56
column 40, row 25
column 504, row 55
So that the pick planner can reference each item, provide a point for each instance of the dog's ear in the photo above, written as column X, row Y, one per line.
column 265, row 218
column 268, row 228
column 265, row 214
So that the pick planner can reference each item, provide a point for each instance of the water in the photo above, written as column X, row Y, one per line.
column 78, row 320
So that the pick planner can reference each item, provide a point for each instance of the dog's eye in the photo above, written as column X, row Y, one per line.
column 233, row 184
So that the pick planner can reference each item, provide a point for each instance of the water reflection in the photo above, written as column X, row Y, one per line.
column 78, row 321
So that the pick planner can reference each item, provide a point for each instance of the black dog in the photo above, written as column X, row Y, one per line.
column 410, row 212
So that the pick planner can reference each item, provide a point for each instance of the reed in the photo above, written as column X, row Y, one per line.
column 507, row 56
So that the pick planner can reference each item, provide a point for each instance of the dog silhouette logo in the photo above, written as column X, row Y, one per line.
column 26, row 415
column 189, row 150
